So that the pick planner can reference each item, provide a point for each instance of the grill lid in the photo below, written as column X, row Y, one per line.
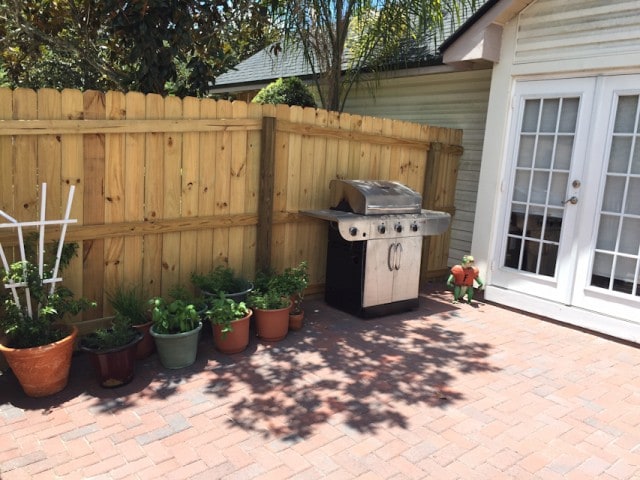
column 373, row 197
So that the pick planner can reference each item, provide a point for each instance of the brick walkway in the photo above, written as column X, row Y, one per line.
column 448, row 391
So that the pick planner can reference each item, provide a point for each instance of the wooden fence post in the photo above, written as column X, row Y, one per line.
column 265, row 194
column 439, row 194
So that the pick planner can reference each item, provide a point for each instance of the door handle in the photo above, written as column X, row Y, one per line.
column 394, row 256
column 573, row 200
column 398, row 256
column 391, row 257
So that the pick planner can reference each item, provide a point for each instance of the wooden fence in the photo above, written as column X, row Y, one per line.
column 168, row 186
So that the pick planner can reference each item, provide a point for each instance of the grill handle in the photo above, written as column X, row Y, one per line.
column 390, row 255
column 398, row 256
column 394, row 256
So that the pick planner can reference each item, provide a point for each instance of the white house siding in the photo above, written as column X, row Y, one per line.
column 558, row 30
column 550, row 39
column 454, row 100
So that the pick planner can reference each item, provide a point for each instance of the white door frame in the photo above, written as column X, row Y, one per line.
column 552, row 288
column 592, row 308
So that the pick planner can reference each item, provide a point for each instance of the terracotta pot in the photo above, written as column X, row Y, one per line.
column 115, row 367
column 43, row 370
column 234, row 341
column 296, row 320
column 272, row 325
column 146, row 346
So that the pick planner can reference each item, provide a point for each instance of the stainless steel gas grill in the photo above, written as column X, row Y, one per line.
column 375, row 245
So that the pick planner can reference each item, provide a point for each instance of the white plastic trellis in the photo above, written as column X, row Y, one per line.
column 40, row 224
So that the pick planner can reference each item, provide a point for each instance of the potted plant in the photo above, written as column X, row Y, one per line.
column 176, row 327
column 295, row 280
column 290, row 283
column 130, row 304
column 39, row 345
column 222, row 280
column 230, row 322
column 112, row 351
column 271, row 309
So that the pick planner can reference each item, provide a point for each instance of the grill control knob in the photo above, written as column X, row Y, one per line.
column 398, row 228
column 382, row 229
column 414, row 227
column 353, row 231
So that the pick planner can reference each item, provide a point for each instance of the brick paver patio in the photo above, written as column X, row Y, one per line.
column 444, row 392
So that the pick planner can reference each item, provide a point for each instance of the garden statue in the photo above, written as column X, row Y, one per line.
column 462, row 278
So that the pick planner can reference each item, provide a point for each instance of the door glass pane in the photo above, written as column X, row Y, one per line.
column 628, row 235
column 558, row 191
column 606, row 240
column 632, row 205
column 549, row 119
column 615, row 263
column 545, row 150
column 635, row 159
column 620, row 153
column 564, row 147
column 626, row 114
column 602, row 268
column 530, row 117
column 569, row 115
column 613, row 194
column 525, row 154
column 539, row 187
column 521, row 188
column 625, row 274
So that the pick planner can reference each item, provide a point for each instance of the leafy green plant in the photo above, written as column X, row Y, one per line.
column 121, row 333
column 26, row 330
column 289, row 284
column 130, row 303
column 220, row 279
column 223, row 310
column 269, row 300
column 293, row 281
column 288, row 91
column 177, row 316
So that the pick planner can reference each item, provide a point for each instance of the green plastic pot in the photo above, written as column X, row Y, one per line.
column 177, row 350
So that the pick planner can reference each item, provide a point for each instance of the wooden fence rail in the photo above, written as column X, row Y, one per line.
column 167, row 186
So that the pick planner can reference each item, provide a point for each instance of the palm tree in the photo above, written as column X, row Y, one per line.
column 342, row 39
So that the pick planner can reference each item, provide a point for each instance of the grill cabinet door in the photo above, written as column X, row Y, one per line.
column 392, row 271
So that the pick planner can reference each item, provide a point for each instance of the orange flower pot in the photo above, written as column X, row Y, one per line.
column 42, row 370
column 272, row 325
column 234, row 341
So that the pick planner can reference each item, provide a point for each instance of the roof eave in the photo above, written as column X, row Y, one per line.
column 478, row 40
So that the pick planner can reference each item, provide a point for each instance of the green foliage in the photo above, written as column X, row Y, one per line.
column 150, row 46
column 130, row 304
column 288, row 91
column 224, row 310
column 177, row 316
column 120, row 334
column 22, row 329
column 275, row 290
column 220, row 280
column 268, row 300
column 342, row 40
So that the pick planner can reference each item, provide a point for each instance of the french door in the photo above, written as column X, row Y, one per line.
column 570, row 232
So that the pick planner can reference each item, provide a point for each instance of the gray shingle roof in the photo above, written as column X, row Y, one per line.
column 264, row 66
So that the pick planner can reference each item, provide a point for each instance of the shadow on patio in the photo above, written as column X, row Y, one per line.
column 337, row 368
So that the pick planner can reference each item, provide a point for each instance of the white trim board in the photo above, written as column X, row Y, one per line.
column 586, row 319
